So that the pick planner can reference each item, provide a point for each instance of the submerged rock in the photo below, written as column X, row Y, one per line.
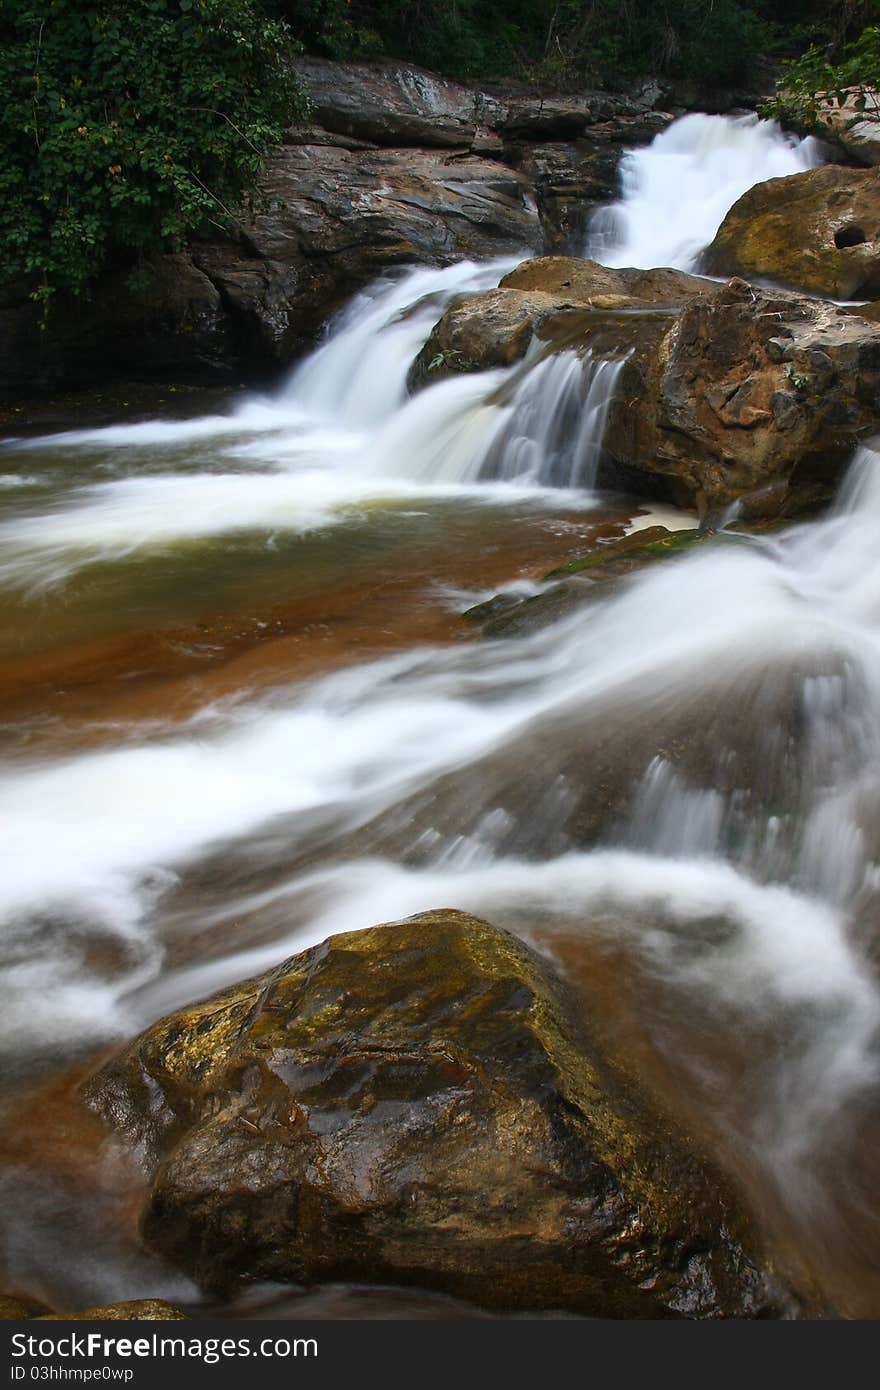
column 582, row 581
column 819, row 231
column 416, row 1104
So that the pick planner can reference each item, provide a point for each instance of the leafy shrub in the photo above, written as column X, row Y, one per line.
column 126, row 128
column 811, row 87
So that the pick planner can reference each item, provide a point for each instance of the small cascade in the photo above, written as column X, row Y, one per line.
column 537, row 425
column 552, row 433
column 358, row 376
column 677, row 191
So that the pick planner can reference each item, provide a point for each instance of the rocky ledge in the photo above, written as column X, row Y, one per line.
column 728, row 393
column 418, row 1104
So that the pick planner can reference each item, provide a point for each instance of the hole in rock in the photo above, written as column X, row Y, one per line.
column 849, row 236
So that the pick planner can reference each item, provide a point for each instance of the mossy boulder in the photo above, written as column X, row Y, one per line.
column 819, row 231
column 419, row 1104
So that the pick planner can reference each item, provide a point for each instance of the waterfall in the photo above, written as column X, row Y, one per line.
column 677, row 190
column 552, row 431
column 539, row 425
column 358, row 376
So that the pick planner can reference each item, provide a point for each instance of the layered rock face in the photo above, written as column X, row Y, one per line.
column 400, row 167
column 417, row 1104
column 728, row 393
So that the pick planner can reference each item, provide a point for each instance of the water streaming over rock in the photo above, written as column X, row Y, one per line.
column 686, row 773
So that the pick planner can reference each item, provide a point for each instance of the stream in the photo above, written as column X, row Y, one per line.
column 240, row 710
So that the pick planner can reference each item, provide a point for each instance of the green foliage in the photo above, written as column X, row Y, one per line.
column 452, row 361
column 812, row 90
column 799, row 381
column 126, row 128
column 558, row 43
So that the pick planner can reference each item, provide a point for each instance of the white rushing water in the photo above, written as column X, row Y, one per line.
column 677, row 190
column 725, row 706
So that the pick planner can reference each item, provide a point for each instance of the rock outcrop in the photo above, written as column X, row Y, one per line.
column 561, row 300
column 416, row 1104
column 817, row 231
column 727, row 393
column 399, row 167
column 14, row 1309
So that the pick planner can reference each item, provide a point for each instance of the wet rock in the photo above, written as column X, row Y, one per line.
column 417, row 1104
column 585, row 580
column 334, row 219
column 819, row 231
column 724, row 420
column 491, row 330
column 534, row 613
column 138, row 1309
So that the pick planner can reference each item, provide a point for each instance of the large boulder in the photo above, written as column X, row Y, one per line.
column 819, row 231
column 416, row 1104
column 727, row 393
column 752, row 395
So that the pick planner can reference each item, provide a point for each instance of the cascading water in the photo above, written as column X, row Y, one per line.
column 682, row 778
